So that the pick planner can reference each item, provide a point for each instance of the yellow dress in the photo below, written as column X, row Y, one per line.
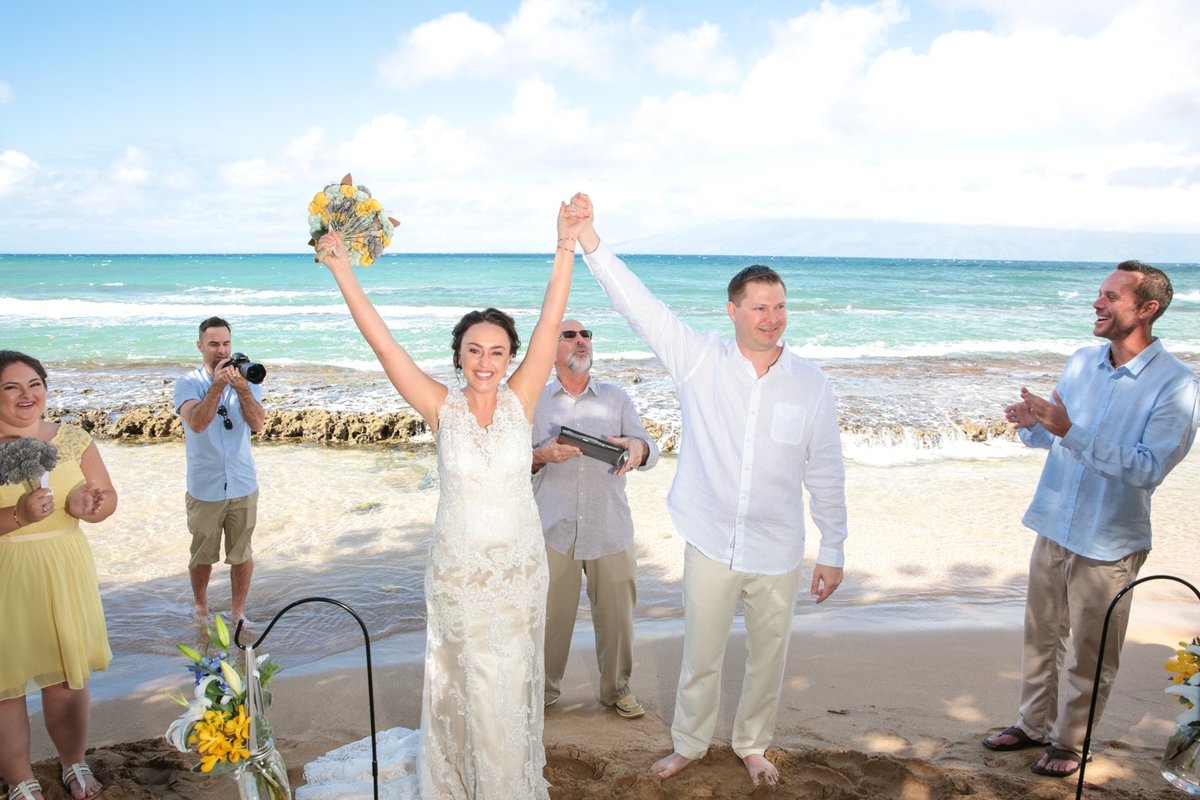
column 50, row 613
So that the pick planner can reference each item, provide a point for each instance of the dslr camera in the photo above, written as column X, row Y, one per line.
column 251, row 370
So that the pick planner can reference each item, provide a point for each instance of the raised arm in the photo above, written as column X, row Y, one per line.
column 421, row 392
column 529, row 378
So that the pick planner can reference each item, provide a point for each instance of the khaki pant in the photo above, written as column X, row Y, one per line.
column 612, row 593
column 710, row 595
column 1068, row 596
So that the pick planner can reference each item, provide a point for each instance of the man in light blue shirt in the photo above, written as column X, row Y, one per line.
column 219, row 409
column 1121, row 417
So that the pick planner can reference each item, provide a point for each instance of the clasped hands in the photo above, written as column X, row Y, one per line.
column 1032, row 409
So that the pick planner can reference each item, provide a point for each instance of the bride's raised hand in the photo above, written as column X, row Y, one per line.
column 332, row 252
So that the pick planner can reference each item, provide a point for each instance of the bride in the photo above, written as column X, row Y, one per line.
column 485, row 583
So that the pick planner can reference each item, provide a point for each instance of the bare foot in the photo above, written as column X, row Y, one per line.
column 761, row 771
column 200, row 615
column 671, row 765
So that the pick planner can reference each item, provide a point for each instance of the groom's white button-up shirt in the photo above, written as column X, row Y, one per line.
column 750, row 446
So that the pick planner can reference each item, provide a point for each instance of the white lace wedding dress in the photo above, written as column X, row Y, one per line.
column 485, row 592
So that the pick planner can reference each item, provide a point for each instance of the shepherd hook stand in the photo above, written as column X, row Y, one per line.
column 1087, row 738
column 370, row 675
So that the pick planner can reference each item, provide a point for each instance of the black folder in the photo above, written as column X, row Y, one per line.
column 593, row 447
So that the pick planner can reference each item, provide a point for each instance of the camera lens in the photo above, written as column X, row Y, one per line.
column 255, row 373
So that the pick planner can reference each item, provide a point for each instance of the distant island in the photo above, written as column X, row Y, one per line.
column 843, row 238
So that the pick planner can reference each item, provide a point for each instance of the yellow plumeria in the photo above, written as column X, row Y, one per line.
column 348, row 190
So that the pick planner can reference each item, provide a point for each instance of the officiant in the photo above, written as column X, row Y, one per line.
column 585, row 516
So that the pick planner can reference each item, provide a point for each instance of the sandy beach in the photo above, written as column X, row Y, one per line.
column 890, row 684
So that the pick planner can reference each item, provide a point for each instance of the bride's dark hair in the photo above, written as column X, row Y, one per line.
column 492, row 315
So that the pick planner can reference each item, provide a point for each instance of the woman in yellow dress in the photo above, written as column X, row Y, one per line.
column 50, row 612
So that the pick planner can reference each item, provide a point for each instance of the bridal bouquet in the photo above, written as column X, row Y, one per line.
column 351, row 211
column 217, row 721
column 27, row 461
column 1181, row 760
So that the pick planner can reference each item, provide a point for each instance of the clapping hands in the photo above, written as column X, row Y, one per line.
column 85, row 501
column 1052, row 414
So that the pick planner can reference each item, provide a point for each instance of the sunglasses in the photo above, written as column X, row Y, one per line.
column 571, row 334
column 225, row 420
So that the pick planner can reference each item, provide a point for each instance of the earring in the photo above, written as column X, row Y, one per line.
column 458, row 375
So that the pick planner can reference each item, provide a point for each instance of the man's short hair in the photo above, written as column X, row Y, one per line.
column 214, row 322
column 1154, row 285
column 755, row 273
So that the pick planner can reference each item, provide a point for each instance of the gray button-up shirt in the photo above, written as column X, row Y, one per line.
column 580, row 502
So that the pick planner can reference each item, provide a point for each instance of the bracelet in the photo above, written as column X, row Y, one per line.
column 567, row 239
column 570, row 250
column 16, row 519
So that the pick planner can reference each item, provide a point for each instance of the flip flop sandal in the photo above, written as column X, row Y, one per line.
column 78, row 773
column 1057, row 754
column 1023, row 740
column 24, row 790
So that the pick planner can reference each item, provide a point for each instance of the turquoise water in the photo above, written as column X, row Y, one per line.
column 910, row 344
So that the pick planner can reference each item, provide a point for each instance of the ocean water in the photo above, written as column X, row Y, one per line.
column 918, row 351
column 915, row 348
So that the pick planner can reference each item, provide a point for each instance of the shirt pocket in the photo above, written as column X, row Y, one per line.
column 787, row 423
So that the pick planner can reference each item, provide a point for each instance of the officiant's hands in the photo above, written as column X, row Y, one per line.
column 554, row 452
column 637, row 450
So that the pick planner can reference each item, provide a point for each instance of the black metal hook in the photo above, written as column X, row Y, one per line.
column 237, row 634
column 1087, row 738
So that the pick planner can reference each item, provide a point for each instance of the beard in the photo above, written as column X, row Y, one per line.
column 579, row 363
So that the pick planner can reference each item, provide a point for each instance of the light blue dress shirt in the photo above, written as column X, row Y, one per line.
column 1130, row 426
column 220, row 465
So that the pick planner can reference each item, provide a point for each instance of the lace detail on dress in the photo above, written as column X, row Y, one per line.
column 71, row 441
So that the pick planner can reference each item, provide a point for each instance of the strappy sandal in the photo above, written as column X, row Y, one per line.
column 78, row 773
column 24, row 790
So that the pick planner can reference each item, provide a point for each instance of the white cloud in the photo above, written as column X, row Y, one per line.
column 1064, row 16
column 131, row 169
column 694, row 54
column 14, row 168
column 538, row 114
column 558, row 33
column 307, row 146
column 5, row 92
column 978, row 82
column 249, row 173
column 440, row 48
column 390, row 143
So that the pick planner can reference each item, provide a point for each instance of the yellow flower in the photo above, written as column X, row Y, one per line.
column 348, row 190
column 318, row 204
column 238, row 728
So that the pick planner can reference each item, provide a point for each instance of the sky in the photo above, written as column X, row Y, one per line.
column 139, row 126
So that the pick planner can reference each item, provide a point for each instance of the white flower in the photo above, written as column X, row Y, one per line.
column 1190, row 692
column 177, row 733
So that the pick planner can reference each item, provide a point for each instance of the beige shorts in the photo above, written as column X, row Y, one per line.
column 209, row 520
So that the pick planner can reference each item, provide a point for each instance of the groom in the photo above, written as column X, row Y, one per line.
column 760, row 426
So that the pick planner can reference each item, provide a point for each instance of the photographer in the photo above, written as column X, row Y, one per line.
column 220, row 404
